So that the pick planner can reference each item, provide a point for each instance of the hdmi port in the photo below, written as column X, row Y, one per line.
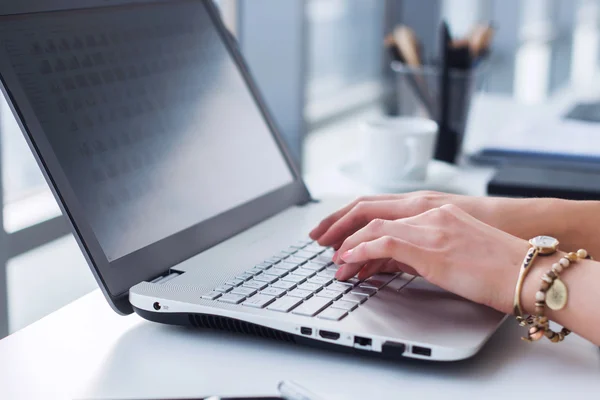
column 329, row 335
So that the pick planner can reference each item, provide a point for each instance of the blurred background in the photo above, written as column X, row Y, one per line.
column 322, row 68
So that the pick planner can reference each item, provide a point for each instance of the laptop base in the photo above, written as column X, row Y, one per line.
column 390, row 351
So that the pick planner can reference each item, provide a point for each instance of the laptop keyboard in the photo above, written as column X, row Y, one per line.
column 299, row 280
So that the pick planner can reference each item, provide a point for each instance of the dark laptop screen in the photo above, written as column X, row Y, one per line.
column 149, row 117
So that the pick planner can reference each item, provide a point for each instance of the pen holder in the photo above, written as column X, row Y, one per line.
column 418, row 93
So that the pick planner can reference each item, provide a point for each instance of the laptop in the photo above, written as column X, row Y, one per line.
column 182, row 194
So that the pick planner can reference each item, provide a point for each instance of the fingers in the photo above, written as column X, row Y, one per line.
column 390, row 267
column 347, row 271
column 384, row 247
column 406, row 229
column 360, row 215
column 371, row 268
column 393, row 266
column 333, row 218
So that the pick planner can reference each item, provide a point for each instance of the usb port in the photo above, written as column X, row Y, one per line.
column 421, row 351
column 306, row 331
column 362, row 342
column 329, row 335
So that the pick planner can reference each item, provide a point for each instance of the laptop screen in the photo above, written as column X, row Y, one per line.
column 148, row 127
column 148, row 115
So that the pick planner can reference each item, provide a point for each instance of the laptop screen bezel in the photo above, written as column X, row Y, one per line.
column 117, row 277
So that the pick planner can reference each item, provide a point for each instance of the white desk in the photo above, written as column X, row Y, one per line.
column 85, row 350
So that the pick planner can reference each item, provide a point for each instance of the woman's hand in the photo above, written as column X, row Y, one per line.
column 446, row 246
column 516, row 216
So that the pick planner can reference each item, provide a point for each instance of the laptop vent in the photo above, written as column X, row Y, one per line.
column 232, row 325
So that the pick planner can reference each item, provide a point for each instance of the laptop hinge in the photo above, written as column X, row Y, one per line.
column 165, row 278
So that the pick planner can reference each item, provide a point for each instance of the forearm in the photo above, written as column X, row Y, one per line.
column 581, row 314
column 576, row 224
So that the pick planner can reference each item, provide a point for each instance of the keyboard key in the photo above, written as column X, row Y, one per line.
column 294, row 278
column 232, row 298
column 355, row 298
column 212, row 295
column 272, row 260
column 366, row 291
column 307, row 255
column 303, row 294
column 320, row 280
column 246, row 291
column 245, row 276
column 345, row 305
column 255, row 270
column 284, row 285
column 333, row 314
column 321, row 263
column 290, row 250
column 299, row 245
column 328, row 253
column 283, row 255
column 373, row 284
column 311, row 287
column 330, row 294
column 378, row 281
column 313, row 266
column 273, row 291
column 285, row 304
column 295, row 260
column 234, row 282
column 287, row 266
column 254, row 284
column 327, row 274
column 263, row 265
column 304, row 272
column 387, row 278
column 312, row 306
column 278, row 272
column 340, row 287
column 259, row 301
column 223, row 288
column 332, row 268
column 265, row 278
column 353, row 281
column 326, row 259
column 315, row 249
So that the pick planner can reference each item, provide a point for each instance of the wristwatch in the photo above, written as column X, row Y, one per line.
column 540, row 246
column 545, row 245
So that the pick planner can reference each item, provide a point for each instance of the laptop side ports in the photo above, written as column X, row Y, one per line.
column 329, row 335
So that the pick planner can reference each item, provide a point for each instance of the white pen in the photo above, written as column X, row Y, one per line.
column 292, row 391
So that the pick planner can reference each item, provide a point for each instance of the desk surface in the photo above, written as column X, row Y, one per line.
column 85, row 350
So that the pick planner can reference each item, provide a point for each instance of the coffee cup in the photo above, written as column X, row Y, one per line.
column 397, row 149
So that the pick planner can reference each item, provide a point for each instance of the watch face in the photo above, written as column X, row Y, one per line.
column 544, row 242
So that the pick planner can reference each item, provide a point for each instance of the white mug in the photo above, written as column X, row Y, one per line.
column 397, row 149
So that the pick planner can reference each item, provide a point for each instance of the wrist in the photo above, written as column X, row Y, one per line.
column 526, row 218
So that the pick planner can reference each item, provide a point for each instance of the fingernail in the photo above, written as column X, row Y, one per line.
column 339, row 273
column 335, row 257
column 347, row 254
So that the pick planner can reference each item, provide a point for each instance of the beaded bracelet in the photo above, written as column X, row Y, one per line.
column 553, row 294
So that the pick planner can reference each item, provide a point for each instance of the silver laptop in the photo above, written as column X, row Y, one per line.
column 181, row 192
